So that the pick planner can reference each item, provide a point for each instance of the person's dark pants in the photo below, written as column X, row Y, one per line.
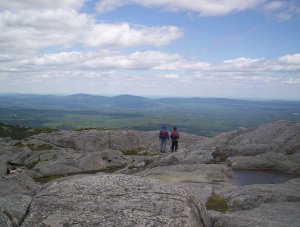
column 163, row 145
column 174, row 146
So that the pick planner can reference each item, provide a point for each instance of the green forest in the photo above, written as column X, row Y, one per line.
column 201, row 116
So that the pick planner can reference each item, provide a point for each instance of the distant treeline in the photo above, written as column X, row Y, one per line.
column 201, row 116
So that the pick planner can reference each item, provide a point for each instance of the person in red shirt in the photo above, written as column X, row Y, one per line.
column 174, row 138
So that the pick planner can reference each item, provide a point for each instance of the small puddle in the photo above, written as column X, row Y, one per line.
column 245, row 177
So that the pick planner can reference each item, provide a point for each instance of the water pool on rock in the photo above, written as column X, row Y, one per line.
column 245, row 177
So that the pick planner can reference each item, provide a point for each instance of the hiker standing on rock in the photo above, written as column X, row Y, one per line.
column 174, row 138
column 163, row 136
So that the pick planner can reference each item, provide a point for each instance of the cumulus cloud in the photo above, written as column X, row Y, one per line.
column 145, row 72
column 63, row 26
column 292, row 59
column 34, row 30
column 125, row 35
column 151, row 61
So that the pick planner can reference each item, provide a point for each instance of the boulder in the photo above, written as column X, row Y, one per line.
column 260, row 205
column 32, row 174
column 279, row 134
column 4, row 221
column 115, row 158
column 183, row 156
column 200, row 179
column 18, row 183
column 3, row 165
column 281, row 162
column 76, row 162
column 221, row 153
column 268, row 215
column 114, row 200
column 251, row 196
column 54, row 168
column 19, row 154
column 278, row 137
column 270, row 146
column 248, row 162
column 14, row 154
column 13, row 209
column 5, row 147
column 40, row 156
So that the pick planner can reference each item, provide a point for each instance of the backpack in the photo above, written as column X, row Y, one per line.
column 174, row 135
column 163, row 134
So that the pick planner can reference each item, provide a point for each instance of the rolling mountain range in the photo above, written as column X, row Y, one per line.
column 126, row 101
column 202, row 116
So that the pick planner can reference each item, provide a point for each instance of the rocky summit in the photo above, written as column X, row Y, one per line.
column 119, row 178
column 273, row 146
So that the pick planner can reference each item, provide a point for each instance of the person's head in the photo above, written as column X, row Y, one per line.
column 164, row 127
column 175, row 128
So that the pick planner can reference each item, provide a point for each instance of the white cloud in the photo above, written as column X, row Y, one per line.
column 124, row 35
column 274, row 5
column 15, row 5
column 293, row 59
column 34, row 30
column 238, row 64
column 31, row 30
column 108, row 5
column 171, row 76
column 292, row 81
column 281, row 10
column 146, row 73
column 203, row 7
column 62, row 58
column 287, row 63
column 152, row 61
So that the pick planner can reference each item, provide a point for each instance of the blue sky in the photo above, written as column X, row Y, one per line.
column 198, row 48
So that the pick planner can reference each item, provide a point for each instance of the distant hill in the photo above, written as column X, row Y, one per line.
column 201, row 116
column 76, row 101
column 127, row 101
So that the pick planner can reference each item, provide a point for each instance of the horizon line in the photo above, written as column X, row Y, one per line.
column 152, row 96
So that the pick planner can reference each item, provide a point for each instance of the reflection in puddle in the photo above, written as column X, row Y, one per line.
column 244, row 177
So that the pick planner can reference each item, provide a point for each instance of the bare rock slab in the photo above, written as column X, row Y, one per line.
column 114, row 200
column 13, row 209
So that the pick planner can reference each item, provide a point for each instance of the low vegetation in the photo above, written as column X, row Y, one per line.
column 34, row 147
column 31, row 165
column 215, row 202
column 134, row 152
column 17, row 132
column 47, row 179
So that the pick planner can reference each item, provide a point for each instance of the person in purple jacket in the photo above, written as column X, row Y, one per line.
column 164, row 137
